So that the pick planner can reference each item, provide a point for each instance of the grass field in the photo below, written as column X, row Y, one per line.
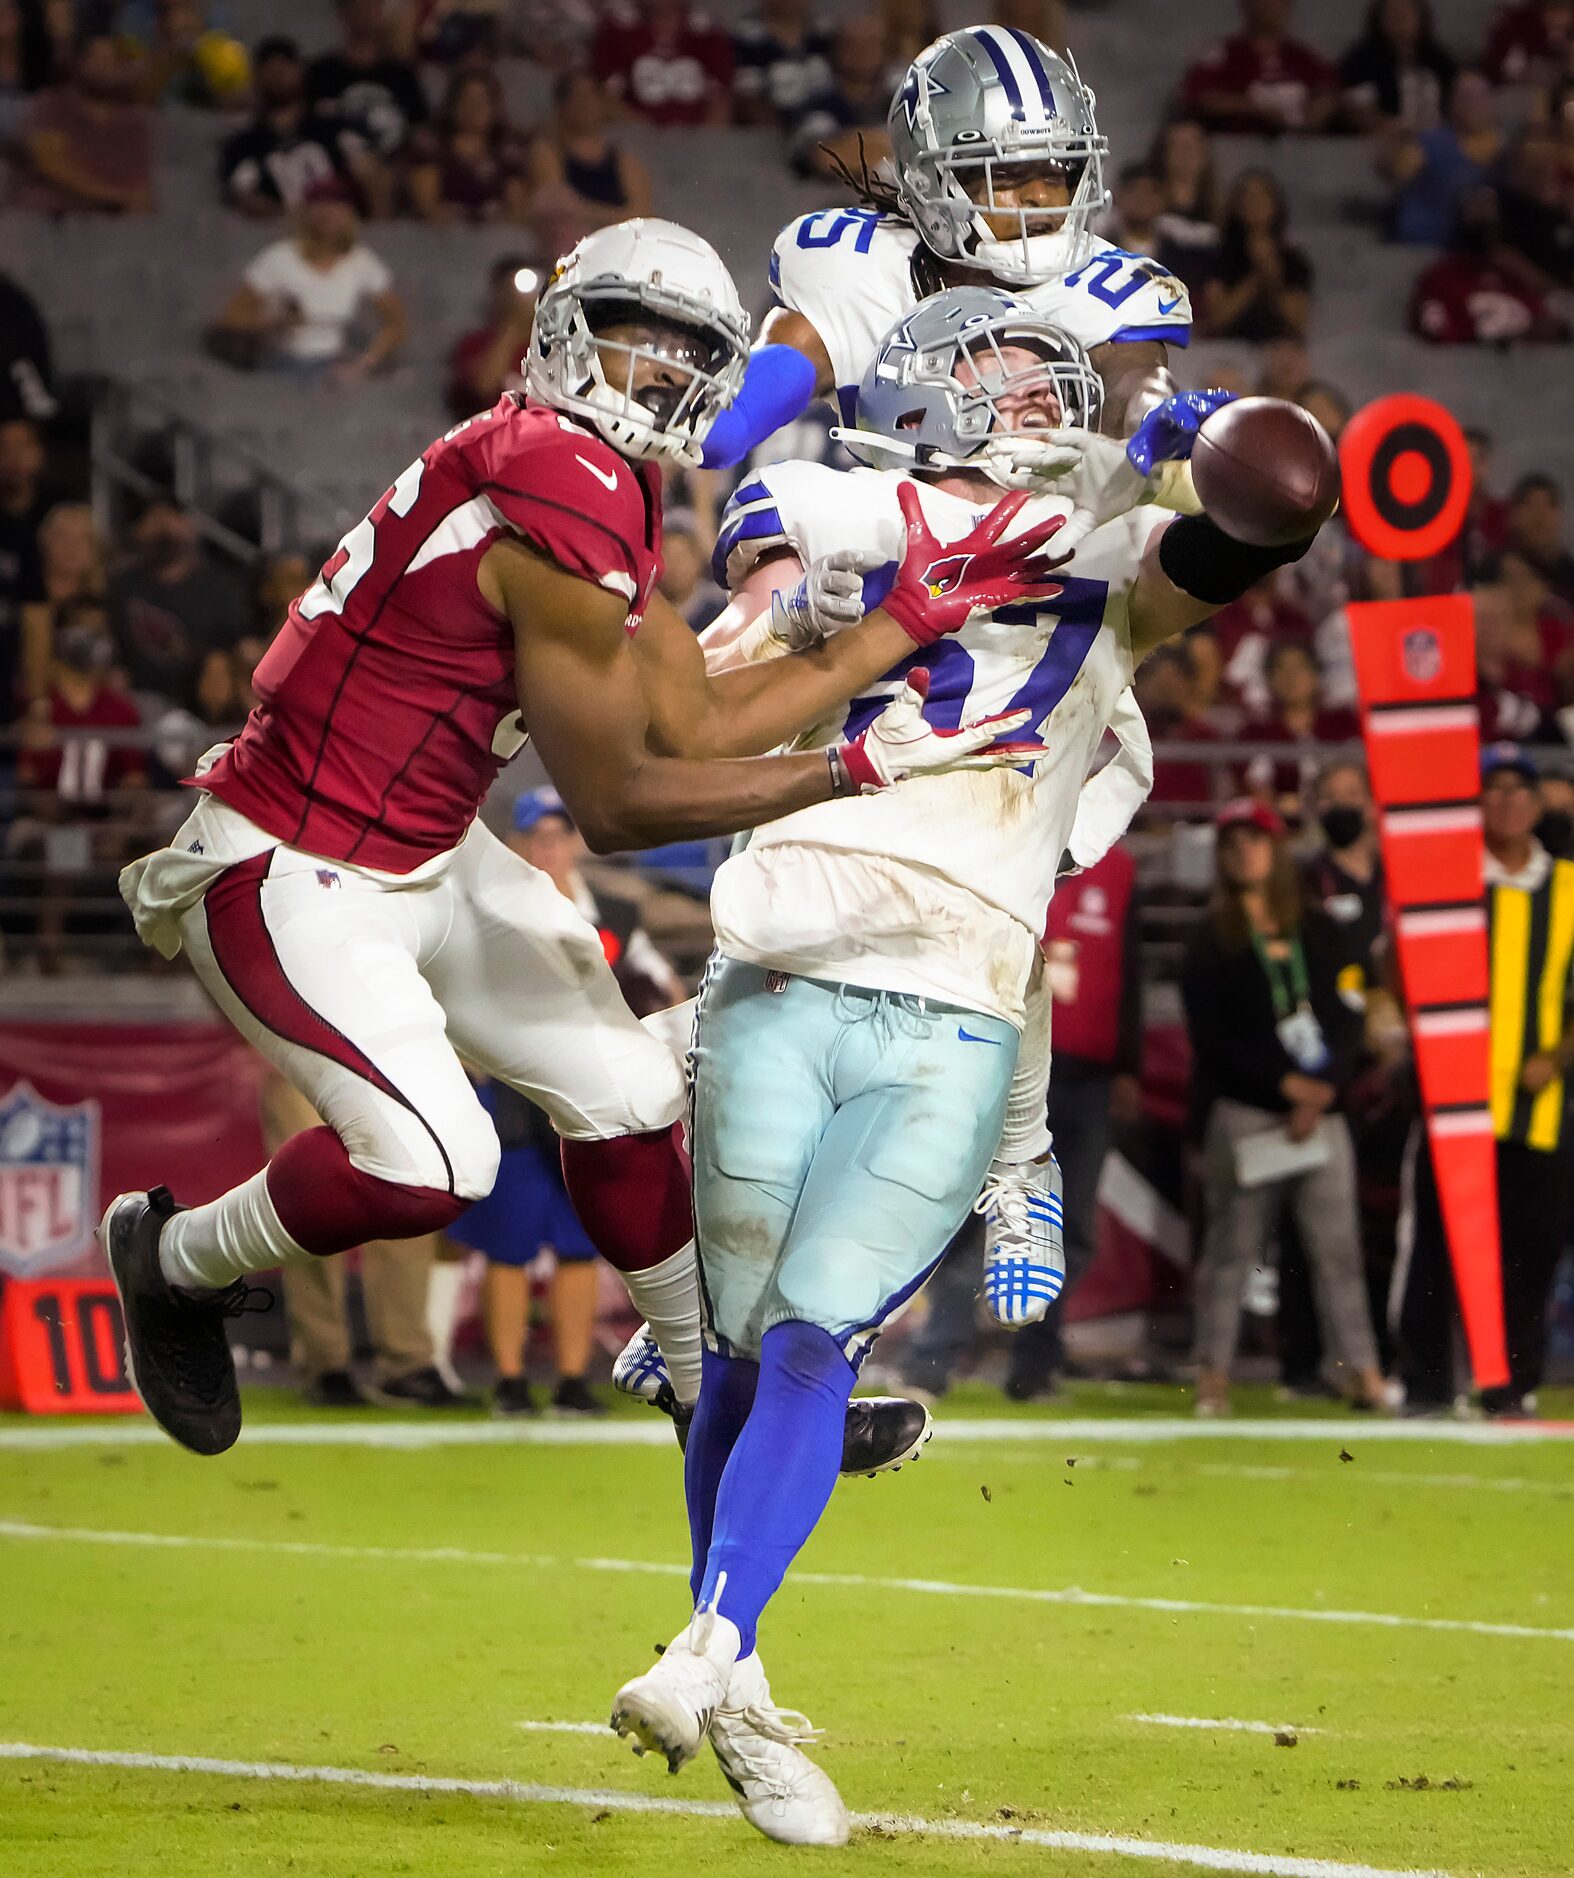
column 304, row 1604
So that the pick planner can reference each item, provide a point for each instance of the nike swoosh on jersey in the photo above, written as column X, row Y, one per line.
column 968, row 1037
column 1165, row 306
column 606, row 479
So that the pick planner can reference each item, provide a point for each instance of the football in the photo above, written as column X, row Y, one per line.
column 1265, row 471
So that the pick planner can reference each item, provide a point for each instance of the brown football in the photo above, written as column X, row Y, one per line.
column 1265, row 471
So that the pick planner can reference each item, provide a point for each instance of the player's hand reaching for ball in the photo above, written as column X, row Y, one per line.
column 939, row 587
column 901, row 742
column 829, row 597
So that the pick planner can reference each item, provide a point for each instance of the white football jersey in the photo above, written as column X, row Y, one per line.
column 849, row 272
column 940, row 886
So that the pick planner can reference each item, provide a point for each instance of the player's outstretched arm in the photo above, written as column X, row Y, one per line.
column 759, row 706
column 582, row 697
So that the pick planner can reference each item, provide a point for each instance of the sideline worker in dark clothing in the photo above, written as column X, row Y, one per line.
column 1275, row 1045
column 1530, row 927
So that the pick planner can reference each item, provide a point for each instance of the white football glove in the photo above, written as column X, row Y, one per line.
column 828, row 598
column 1090, row 471
column 901, row 742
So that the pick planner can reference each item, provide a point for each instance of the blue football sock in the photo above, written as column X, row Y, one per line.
column 726, row 1396
column 781, row 1473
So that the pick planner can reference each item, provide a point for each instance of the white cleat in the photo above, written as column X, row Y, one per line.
column 1024, row 1244
column 780, row 1790
column 668, row 1710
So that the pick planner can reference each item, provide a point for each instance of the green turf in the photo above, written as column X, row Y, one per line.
column 977, row 1707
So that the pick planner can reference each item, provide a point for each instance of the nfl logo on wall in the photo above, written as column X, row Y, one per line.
column 48, row 1181
column 1422, row 655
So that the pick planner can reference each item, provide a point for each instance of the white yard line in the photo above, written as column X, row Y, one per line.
column 935, row 1587
column 1205, row 1857
column 1227, row 1723
column 604, row 1729
column 655, row 1432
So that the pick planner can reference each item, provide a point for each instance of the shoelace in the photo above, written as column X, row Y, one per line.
column 1008, row 1200
column 784, row 1726
column 196, row 1365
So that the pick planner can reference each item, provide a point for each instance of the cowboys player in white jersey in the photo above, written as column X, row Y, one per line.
column 858, row 1031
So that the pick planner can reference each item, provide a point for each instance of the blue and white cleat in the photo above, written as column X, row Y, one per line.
column 1024, row 1240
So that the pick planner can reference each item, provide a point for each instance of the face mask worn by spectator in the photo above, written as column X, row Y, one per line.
column 1343, row 825
column 82, row 649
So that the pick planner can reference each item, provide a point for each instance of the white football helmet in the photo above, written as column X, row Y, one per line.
column 649, row 272
column 975, row 107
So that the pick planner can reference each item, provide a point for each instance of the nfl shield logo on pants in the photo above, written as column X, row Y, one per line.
column 1421, row 655
column 48, row 1181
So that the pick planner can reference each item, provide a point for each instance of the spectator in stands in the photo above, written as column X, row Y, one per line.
column 1345, row 876
column 1327, row 404
column 1261, row 283
column 580, row 180
column 1283, row 366
column 88, row 144
column 1274, row 1047
column 35, row 46
column 172, row 605
column 267, row 168
column 179, row 737
column 1094, row 974
column 24, row 502
column 302, row 303
column 1182, row 157
column 1534, row 208
column 27, row 376
column 83, row 693
column 71, row 570
column 277, row 580
column 528, row 1210
column 1165, row 687
column 1555, row 818
column 781, row 59
column 1432, row 169
column 1262, row 82
column 1530, row 41
column 1513, row 695
column 458, row 33
column 685, row 570
column 485, row 361
column 664, row 62
column 1543, row 624
column 1533, row 527
column 1136, row 221
column 1481, row 293
column 1398, row 71
column 1295, row 715
column 365, row 83
column 910, row 26
column 180, row 58
column 851, row 111
column 469, row 166
column 556, row 34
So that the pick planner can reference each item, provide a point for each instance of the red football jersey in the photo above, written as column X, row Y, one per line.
column 388, row 701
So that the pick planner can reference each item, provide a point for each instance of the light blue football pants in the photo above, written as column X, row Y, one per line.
column 839, row 1138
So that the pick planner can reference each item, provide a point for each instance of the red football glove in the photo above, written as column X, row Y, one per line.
column 938, row 589
column 901, row 742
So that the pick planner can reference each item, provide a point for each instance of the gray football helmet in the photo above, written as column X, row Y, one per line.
column 914, row 407
column 985, row 107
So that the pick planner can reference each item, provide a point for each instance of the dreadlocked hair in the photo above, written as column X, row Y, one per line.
column 875, row 188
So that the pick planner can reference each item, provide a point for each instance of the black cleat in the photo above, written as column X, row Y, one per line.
column 335, row 1389
column 574, row 1396
column 882, row 1432
column 177, row 1352
column 420, row 1388
column 512, row 1397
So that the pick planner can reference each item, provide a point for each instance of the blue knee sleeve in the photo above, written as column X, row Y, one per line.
column 778, row 384
column 727, row 1385
column 781, row 1472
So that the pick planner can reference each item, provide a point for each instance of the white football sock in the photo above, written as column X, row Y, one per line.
column 443, row 1288
column 208, row 1247
column 667, row 1296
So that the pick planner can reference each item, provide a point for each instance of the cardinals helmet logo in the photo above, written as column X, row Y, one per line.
column 945, row 576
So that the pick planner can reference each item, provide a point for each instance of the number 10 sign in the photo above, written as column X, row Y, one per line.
column 61, row 1348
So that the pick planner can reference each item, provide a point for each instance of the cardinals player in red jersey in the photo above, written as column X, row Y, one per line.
column 340, row 900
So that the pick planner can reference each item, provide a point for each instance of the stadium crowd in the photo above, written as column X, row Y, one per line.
column 128, row 642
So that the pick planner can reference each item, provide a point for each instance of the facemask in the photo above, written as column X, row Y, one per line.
column 1342, row 826
column 1555, row 832
column 84, row 649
